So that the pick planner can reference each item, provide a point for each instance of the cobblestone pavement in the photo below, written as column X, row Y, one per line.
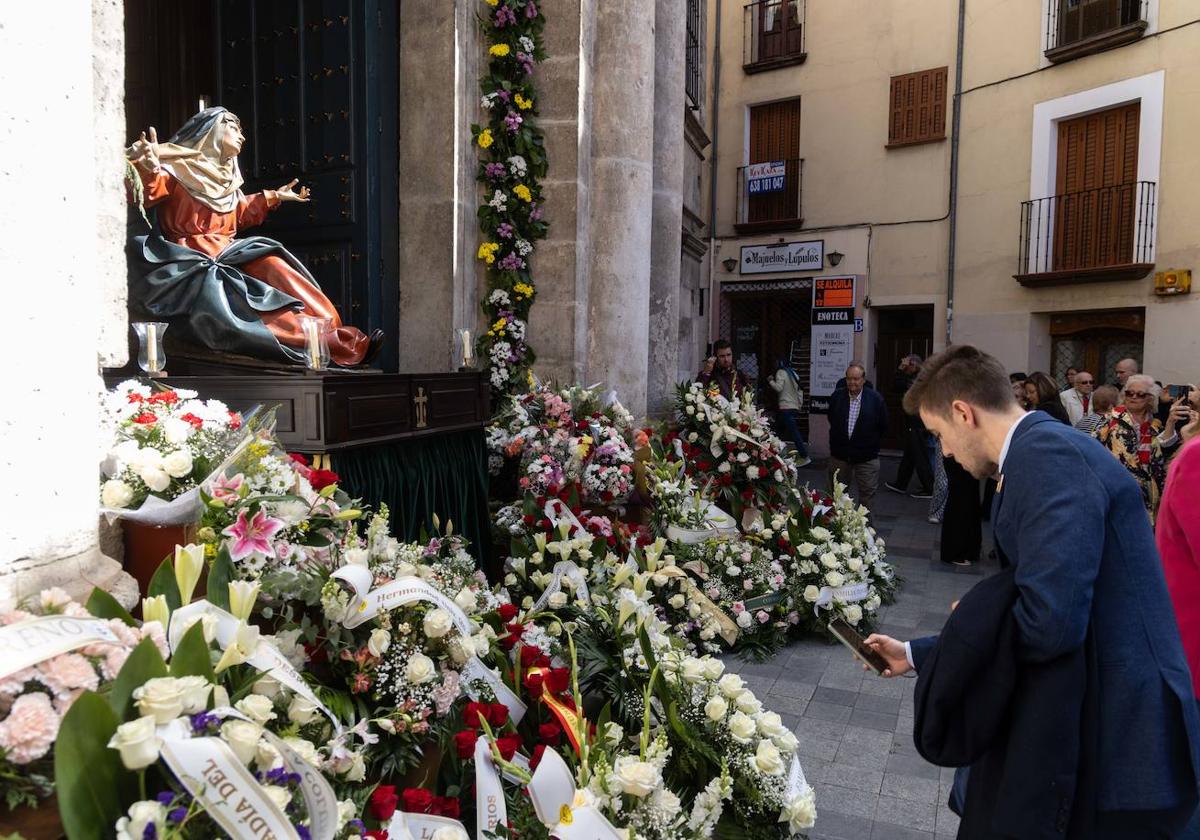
column 855, row 729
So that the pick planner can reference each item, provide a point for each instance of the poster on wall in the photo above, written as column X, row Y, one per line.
column 832, row 337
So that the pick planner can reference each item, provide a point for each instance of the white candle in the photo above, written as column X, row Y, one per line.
column 152, row 348
column 466, row 344
column 312, row 336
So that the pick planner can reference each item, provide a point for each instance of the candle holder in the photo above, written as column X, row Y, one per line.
column 464, row 349
column 316, row 341
column 151, row 357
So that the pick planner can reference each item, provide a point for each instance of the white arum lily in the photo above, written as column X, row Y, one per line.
column 242, row 595
column 240, row 648
column 189, row 563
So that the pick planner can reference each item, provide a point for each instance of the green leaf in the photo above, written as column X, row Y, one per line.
column 143, row 664
column 192, row 658
column 164, row 583
column 91, row 782
column 220, row 573
column 103, row 605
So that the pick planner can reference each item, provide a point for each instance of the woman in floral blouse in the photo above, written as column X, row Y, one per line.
column 1139, row 440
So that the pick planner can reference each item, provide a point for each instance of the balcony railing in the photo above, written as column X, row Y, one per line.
column 766, row 201
column 1105, row 233
column 773, row 34
column 1076, row 28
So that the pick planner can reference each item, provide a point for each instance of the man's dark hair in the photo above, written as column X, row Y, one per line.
column 961, row 372
column 1020, row 376
column 721, row 344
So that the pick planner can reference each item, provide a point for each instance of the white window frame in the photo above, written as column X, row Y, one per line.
column 1147, row 89
column 1151, row 27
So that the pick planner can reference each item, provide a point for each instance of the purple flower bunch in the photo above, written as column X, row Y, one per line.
column 531, row 10
column 205, row 723
column 504, row 230
column 505, row 17
column 535, row 213
column 513, row 120
column 175, row 815
column 526, row 62
column 511, row 263
column 495, row 171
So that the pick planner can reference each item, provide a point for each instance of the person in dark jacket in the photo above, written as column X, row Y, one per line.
column 1042, row 394
column 719, row 371
column 914, row 438
column 1070, row 521
column 858, row 418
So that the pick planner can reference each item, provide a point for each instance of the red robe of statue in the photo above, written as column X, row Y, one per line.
column 187, row 222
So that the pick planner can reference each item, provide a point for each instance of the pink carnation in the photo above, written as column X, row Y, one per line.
column 62, row 674
column 114, row 660
column 30, row 729
column 13, row 684
column 15, row 616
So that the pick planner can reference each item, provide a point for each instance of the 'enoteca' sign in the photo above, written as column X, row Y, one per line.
column 786, row 256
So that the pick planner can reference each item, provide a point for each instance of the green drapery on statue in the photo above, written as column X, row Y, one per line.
column 444, row 475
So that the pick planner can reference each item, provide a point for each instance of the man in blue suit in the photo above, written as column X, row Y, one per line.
column 1069, row 518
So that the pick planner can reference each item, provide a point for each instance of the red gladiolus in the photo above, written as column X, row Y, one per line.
column 497, row 714
column 447, row 806
column 507, row 612
column 383, row 802
column 417, row 800
column 533, row 685
column 527, row 519
column 558, row 680
column 508, row 746
column 536, row 758
column 473, row 713
column 464, row 743
column 515, row 629
column 550, row 733
column 529, row 655
column 145, row 419
column 135, row 398
column 298, row 458
column 194, row 421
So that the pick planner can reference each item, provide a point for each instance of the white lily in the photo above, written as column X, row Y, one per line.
column 240, row 648
column 242, row 595
column 189, row 563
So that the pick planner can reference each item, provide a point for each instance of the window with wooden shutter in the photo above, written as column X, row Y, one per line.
column 774, row 138
column 918, row 107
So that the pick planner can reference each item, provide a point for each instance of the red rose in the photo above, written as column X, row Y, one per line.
column 527, row 519
column 320, row 479
column 447, row 806
column 298, row 458
column 382, row 803
column 533, row 685
column 529, row 655
column 497, row 714
column 193, row 420
column 235, row 423
column 464, row 742
column 145, row 419
column 550, row 733
column 377, row 834
column 515, row 629
column 508, row 746
column 417, row 800
column 536, row 758
column 473, row 713
column 507, row 612
column 558, row 680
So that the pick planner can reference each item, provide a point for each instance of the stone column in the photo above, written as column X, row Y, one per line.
column 63, row 251
column 667, row 221
column 621, row 199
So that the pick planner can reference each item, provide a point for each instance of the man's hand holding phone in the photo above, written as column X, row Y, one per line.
column 892, row 651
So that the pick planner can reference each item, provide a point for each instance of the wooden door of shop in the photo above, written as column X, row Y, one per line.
column 1096, row 185
column 901, row 332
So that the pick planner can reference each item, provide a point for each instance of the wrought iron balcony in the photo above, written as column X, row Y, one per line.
column 773, row 34
column 768, row 199
column 1099, row 234
column 1076, row 28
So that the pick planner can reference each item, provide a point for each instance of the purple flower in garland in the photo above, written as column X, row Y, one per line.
column 531, row 10
column 513, row 121
column 503, row 95
column 526, row 62
column 504, row 230
column 511, row 263
column 535, row 213
column 495, row 171
column 505, row 17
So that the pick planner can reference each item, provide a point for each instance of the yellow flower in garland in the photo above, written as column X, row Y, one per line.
column 522, row 103
column 522, row 192
column 498, row 328
column 485, row 138
column 500, row 50
column 492, row 2
column 487, row 252
column 523, row 290
column 585, row 444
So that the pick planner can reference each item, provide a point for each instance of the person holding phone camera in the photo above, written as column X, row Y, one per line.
column 1078, row 629
column 718, row 370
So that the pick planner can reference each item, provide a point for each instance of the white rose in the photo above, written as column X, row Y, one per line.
column 281, row 796
column 267, row 686
column 557, row 601
column 302, row 711
column 692, row 670
column 116, row 494
column 748, row 704
column 806, row 549
column 356, row 556
column 306, row 749
column 768, row 759
column 786, row 741
column 751, row 473
column 346, row 811
column 743, row 457
column 854, row 564
column 800, row 812
column 437, row 623
column 379, row 642
column 161, row 698
column 176, row 431
column 716, row 707
column 770, row 724
column 853, row 613
column 694, row 610
column 811, row 594
column 637, row 778
column 724, row 467
column 713, row 668
column 155, row 479
column 829, row 560
column 834, row 578
column 256, row 707
column 420, row 669
column 466, row 600
column 178, row 463
column 358, row 769
column 267, row 757
column 742, row 727
column 141, row 816
column 448, row 833
column 242, row 737
column 195, row 691
column 138, row 743
column 745, row 620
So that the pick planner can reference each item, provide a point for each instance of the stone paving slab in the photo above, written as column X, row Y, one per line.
column 855, row 729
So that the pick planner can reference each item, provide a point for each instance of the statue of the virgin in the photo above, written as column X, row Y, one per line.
column 243, row 295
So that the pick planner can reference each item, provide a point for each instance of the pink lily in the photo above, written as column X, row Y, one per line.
column 226, row 489
column 252, row 536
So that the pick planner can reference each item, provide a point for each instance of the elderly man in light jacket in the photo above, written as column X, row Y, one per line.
column 1077, row 400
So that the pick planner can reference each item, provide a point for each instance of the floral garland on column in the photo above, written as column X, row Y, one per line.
column 512, row 162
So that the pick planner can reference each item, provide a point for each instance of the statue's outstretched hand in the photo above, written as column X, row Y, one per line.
column 286, row 193
column 144, row 152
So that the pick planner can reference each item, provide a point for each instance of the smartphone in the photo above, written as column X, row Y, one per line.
column 1175, row 392
column 848, row 636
